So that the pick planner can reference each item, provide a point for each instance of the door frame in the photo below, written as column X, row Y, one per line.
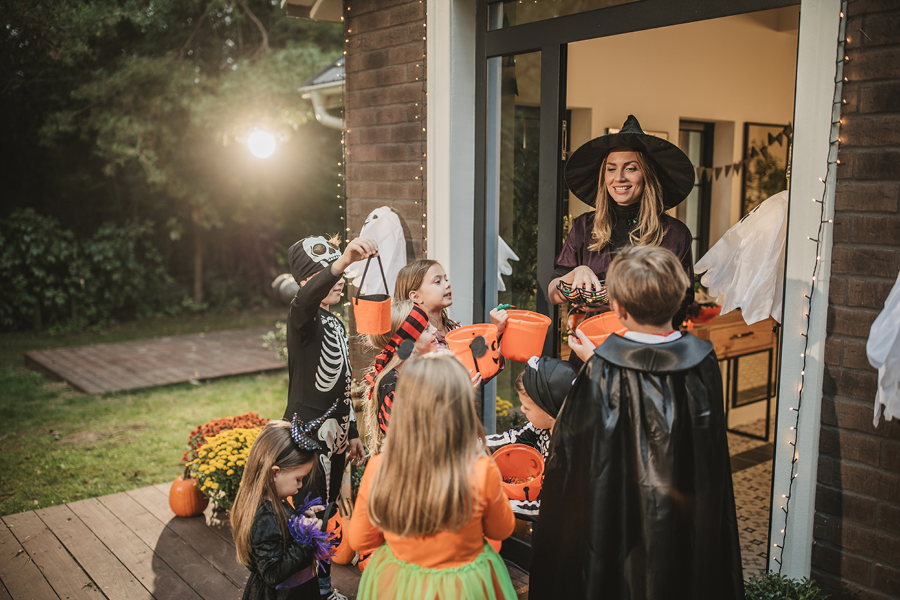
column 457, row 46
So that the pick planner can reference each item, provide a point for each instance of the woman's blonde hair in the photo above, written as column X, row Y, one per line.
column 410, row 279
column 424, row 484
column 258, row 482
column 400, row 309
column 650, row 231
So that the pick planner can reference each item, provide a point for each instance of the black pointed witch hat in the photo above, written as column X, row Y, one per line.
column 304, row 434
column 674, row 168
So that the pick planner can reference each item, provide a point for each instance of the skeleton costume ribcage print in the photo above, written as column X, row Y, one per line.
column 319, row 370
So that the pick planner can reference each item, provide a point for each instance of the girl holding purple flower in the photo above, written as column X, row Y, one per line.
column 280, row 546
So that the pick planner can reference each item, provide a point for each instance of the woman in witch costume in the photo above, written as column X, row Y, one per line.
column 631, row 179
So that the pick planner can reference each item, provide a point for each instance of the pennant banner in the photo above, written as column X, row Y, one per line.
column 707, row 174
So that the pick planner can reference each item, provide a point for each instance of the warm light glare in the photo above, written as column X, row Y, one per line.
column 261, row 144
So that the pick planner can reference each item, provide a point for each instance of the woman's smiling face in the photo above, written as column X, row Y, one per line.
column 623, row 177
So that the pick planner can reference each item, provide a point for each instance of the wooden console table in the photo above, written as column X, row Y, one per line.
column 732, row 339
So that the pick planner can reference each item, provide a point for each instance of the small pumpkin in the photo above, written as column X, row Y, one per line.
column 185, row 497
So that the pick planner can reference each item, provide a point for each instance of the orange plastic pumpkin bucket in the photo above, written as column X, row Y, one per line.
column 524, row 336
column 343, row 553
column 522, row 470
column 461, row 341
column 600, row 327
column 372, row 311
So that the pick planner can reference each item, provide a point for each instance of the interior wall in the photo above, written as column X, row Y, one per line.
column 728, row 71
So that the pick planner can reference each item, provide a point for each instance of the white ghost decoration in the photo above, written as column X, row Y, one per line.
column 883, row 352
column 504, row 255
column 383, row 226
column 747, row 264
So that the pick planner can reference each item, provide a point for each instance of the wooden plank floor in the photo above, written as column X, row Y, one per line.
column 125, row 546
column 137, row 364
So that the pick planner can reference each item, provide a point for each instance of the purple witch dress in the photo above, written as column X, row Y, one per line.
column 575, row 253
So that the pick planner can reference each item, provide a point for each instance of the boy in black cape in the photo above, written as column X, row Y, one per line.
column 319, row 372
column 637, row 501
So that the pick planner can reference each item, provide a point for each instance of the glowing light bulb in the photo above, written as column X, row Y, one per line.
column 261, row 144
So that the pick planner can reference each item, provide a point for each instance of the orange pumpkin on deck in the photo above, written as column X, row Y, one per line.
column 185, row 497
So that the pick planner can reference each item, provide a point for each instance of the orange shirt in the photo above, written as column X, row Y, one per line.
column 492, row 517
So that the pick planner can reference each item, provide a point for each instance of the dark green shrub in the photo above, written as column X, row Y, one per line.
column 768, row 586
column 47, row 277
column 122, row 273
column 37, row 269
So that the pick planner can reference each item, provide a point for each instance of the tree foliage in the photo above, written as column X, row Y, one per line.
column 128, row 110
column 48, row 276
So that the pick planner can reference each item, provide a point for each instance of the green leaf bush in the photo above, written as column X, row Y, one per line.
column 49, row 278
column 770, row 586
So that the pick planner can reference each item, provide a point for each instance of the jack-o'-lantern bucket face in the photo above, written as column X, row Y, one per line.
column 343, row 553
column 478, row 356
column 522, row 470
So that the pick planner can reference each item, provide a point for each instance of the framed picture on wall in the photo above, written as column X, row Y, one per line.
column 765, row 163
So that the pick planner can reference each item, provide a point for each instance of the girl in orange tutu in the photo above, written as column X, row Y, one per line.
column 428, row 501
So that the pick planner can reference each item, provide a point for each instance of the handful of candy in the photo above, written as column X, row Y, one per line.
column 515, row 479
column 591, row 298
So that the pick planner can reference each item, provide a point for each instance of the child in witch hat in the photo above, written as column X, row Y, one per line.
column 318, row 362
column 281, row 458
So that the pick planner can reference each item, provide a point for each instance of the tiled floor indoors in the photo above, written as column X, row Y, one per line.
column 752, row 488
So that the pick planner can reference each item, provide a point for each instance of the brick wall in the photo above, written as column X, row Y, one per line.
column 384, row 108
column 856, row 551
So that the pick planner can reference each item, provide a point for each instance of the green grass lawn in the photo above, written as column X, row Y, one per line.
column 59, row 445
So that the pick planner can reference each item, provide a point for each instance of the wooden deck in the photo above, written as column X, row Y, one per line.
column 126, row 546
column 138, row 364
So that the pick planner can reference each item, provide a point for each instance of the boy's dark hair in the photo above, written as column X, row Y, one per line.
column 518, row 385
column 648, row 282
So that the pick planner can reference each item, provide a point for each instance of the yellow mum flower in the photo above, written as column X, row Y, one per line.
column 229, row 472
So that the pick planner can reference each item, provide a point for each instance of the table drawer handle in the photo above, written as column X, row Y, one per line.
column 742, row 335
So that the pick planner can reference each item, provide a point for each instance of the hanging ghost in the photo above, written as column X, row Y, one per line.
column 504, row 255
column 383, row 226
column 883, row 352
column 745, row 268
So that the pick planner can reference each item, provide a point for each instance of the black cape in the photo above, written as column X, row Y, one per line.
column 637, row 501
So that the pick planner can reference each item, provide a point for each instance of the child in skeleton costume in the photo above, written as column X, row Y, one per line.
column 318, row 363
column 542, row 388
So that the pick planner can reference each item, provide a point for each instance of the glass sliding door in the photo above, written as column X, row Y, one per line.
column 515, row 93
column 521, row 198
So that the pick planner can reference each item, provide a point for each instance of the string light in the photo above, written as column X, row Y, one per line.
column 421, row 105
column 834, row 141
